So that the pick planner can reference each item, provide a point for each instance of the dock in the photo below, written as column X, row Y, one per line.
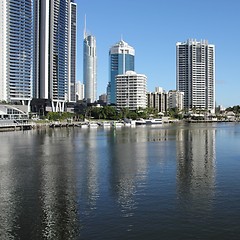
column 15, row 126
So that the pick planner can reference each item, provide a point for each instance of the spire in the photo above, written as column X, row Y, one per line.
column 85, row 27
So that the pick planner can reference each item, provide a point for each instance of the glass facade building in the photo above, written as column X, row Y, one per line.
column 90, row 68
column 38, row 51
column 121, row 57
column 58, row 50
column 3, row 40
column 72, row 50
column 55, row 51
column 18, row 50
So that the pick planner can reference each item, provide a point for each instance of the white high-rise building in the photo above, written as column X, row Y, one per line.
column 89, row 67
column 131, row 90
column 196, row 74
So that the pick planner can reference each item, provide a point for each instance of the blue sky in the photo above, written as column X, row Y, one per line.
column 153, row 27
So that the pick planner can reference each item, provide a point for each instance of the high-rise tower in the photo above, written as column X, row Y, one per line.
column 55, row 47
column 121, row 57
column 3, row 52
column 72, row 51
column 16, row 51
column 196, row 74
column 89, row 67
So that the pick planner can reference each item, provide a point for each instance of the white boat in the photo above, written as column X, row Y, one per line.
column 117, row 124
column 92, row 125
column 106, row 124
column 154, row 121
column 84, row 125
column 140, row 121
column 127, row 124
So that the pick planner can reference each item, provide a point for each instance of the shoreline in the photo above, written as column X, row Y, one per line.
column 35, row 125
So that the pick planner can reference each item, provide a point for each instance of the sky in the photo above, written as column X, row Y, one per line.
column 153, row 27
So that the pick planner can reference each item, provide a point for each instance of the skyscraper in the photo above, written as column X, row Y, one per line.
column 55, row 38
column 121, row 57
column 3, row 52
column 196, row 74
column 89, row 67
column 16, row 51
column 72, row 51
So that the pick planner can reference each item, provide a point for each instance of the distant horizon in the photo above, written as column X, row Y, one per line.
column 144, row 28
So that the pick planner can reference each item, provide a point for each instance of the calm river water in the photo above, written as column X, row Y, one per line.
column 168, row 182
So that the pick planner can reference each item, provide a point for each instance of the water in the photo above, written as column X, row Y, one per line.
column 167, row 182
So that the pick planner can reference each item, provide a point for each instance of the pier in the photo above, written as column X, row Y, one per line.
column 15, row 126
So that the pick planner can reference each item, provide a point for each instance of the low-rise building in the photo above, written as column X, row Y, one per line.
column 175, row 99
column 79, row 91
column 158, row 100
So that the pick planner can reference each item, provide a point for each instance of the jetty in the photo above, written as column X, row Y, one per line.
column 16, row 126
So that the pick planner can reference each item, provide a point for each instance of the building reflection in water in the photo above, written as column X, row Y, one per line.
column 87, row 172
column 196, row 168
column 128, row 166
column 38, row 197
column 58, row 187
column 8, row 200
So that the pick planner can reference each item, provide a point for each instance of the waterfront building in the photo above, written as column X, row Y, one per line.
column 131, row 90
column 9, row 113
column 121, row 57
column 196, row 74
column 79, row 91
column 16, row 51
column 175, row 99
column 158, row 99
column 3, row 52
column 89, row 67
column 54, row 51
column 72, row 51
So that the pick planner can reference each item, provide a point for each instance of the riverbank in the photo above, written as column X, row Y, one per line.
column 100, row 123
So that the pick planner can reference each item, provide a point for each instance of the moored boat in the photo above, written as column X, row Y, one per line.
column 140, row 121
column 106, row 124
column 117, row 124
column 154, row 121
column 92, row 125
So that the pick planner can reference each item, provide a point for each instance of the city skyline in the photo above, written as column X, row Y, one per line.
column 154, row 36
column 38, row 52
